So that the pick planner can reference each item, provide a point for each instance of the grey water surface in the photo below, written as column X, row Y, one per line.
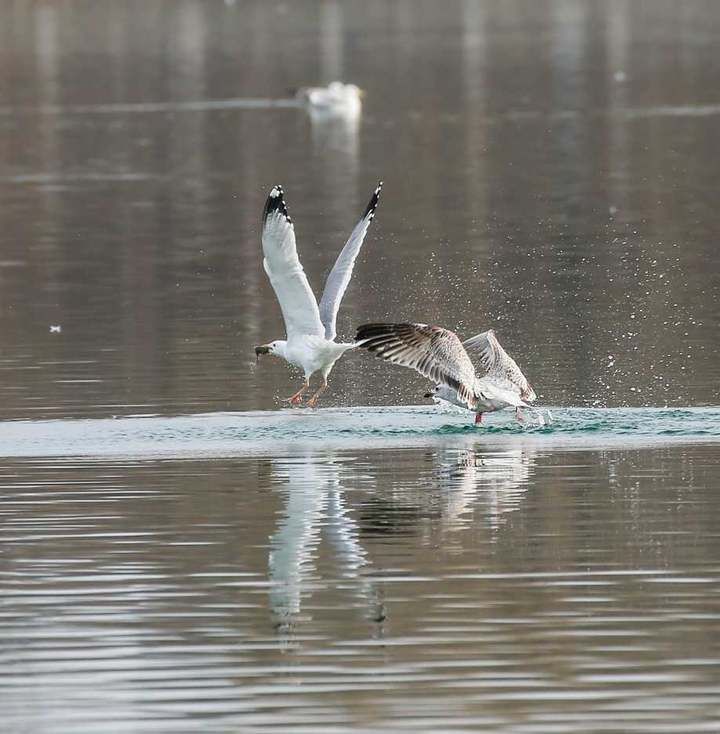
column 180, row 552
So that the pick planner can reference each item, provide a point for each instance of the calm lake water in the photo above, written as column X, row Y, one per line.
column 177, row 552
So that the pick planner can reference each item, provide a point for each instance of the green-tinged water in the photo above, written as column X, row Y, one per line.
column 287, row 431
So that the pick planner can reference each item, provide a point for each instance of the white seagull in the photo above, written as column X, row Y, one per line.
column 337, row 98
column 310, row 328
column 439, row 354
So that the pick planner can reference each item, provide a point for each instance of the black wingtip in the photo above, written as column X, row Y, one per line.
column 372, row 204
column 276, row 203
column 372, row 331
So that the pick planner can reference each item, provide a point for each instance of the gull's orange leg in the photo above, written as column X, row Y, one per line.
column 313, row 400
column 296, row 399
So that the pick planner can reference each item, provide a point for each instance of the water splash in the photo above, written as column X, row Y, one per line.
column 286, row 431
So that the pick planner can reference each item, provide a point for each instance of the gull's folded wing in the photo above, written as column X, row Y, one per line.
column 287, row 277
column 337, row 281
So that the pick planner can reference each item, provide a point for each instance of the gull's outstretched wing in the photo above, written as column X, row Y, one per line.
column 337, row 281
column 287, row 277
column 432, row 351
column 499, row 365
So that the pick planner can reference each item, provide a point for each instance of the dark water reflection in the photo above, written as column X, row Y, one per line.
column 491, row 589
column 550, row 170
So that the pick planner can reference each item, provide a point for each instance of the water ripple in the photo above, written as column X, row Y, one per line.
column 270, row 432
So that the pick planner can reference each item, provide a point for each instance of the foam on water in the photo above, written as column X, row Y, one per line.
column 287, row 431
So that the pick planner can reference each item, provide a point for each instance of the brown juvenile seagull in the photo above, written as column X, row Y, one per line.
column 310, row 342
column 439, row 354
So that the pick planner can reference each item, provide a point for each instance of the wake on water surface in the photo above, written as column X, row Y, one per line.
column 288, row 431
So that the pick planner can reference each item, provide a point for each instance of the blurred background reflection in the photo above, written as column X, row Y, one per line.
column 549, row 167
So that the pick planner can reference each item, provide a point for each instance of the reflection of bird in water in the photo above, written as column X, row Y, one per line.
column 294, row 544
column 310, row 327
column 338, row 134
column 495, row 479
column 439, row 354
column 337, row 99
column 315, row 506
column 462, row 485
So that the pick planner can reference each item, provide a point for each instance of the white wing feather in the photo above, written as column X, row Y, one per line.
column 339, row 277
column 499, row 365
column 287, row 277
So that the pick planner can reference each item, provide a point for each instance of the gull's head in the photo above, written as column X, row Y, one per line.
column 343, row 94
column 352, row 94
column 443, row 392
column 352, row 90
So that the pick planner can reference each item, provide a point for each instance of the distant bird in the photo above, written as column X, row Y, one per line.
column 310, row 342
column 337, row 98
column 439, row 354
column 55, row 328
